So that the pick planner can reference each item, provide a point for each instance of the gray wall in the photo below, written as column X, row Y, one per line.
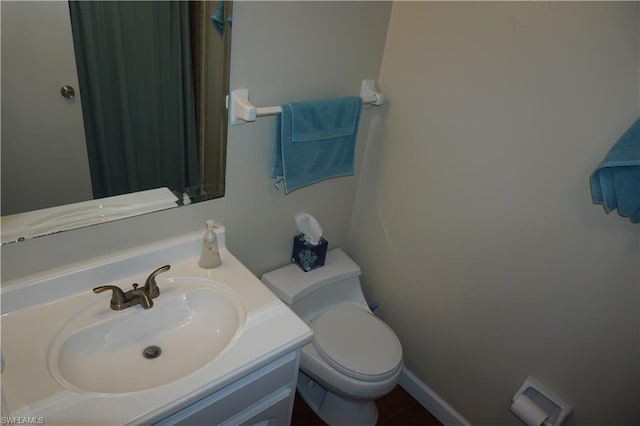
column 473, row 221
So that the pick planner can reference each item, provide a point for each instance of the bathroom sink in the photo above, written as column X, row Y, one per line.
column 70, row 359
column 100, row 350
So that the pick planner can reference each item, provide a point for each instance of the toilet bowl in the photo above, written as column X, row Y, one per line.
column 354, row 357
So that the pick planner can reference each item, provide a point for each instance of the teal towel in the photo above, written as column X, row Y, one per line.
column 217, row 19
column 616, row 181
column 316, row 141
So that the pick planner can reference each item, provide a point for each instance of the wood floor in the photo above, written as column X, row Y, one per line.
column 397, row 408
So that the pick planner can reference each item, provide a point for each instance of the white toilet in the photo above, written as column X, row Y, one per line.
column 354, row 357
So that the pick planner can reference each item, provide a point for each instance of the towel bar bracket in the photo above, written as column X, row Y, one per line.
column 369, row 94
column 242, row 111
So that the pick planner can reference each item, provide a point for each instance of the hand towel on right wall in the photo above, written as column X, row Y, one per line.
column 316, row 141
column 616, row 181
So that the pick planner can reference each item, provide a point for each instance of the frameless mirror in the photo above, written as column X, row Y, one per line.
column 110, row 109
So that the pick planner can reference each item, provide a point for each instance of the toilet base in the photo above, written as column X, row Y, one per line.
column 334, row 410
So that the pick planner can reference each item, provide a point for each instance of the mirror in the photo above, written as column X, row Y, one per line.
column 110, row 109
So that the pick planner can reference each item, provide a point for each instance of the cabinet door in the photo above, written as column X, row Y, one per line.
column 240, row 397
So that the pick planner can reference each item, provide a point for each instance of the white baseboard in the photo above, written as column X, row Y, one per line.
column 430, row 400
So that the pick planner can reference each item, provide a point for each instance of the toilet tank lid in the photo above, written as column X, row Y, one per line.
column 290, row 282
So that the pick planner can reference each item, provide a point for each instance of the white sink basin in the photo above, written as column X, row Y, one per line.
column 192, row 322
column 70, row 359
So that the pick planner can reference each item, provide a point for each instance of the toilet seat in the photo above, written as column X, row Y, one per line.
column 356, row 343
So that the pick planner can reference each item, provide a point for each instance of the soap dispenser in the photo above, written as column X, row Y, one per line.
column 210, row 256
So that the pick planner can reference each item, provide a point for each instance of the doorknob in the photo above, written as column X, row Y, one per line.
column 68, row 92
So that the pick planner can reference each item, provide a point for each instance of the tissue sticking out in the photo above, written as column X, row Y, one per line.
column 309, row 227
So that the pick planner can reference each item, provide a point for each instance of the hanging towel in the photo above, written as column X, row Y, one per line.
column 217, row 19
column 316, row 141
column 616, row 181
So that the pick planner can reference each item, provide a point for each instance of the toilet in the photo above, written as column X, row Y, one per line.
column 354, row 357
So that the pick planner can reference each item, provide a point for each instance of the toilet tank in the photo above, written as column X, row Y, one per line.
column 309, row 294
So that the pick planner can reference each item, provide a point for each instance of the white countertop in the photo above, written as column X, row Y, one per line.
column 35, row 308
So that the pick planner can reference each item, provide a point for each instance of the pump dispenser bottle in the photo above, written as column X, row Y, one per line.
column 210, row 256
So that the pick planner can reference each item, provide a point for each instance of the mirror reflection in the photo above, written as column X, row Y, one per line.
column 103, row 99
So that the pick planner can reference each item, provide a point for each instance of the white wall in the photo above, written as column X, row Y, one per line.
column 44, row 157
column 283, row 52
column 473, row 221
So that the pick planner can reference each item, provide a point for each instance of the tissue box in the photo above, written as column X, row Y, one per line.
column 308, row 256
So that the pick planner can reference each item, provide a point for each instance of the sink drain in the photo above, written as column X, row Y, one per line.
column 151, row 352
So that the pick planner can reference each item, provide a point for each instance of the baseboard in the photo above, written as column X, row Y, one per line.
column 430, row 400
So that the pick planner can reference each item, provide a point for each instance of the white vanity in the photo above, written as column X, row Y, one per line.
column 217, row 347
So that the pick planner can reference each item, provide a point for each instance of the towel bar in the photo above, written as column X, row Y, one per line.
column 242, row 111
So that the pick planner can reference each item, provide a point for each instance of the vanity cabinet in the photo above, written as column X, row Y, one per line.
column 263, row 397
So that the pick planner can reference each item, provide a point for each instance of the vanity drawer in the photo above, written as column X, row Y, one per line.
column 273, row 411
column 233, row 399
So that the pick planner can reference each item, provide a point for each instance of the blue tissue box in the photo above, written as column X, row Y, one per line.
column 308, row 256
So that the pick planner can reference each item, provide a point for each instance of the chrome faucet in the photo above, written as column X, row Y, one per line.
column 144, row 297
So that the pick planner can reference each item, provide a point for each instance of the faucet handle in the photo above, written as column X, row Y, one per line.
column 117, row 297
column 150, row 285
